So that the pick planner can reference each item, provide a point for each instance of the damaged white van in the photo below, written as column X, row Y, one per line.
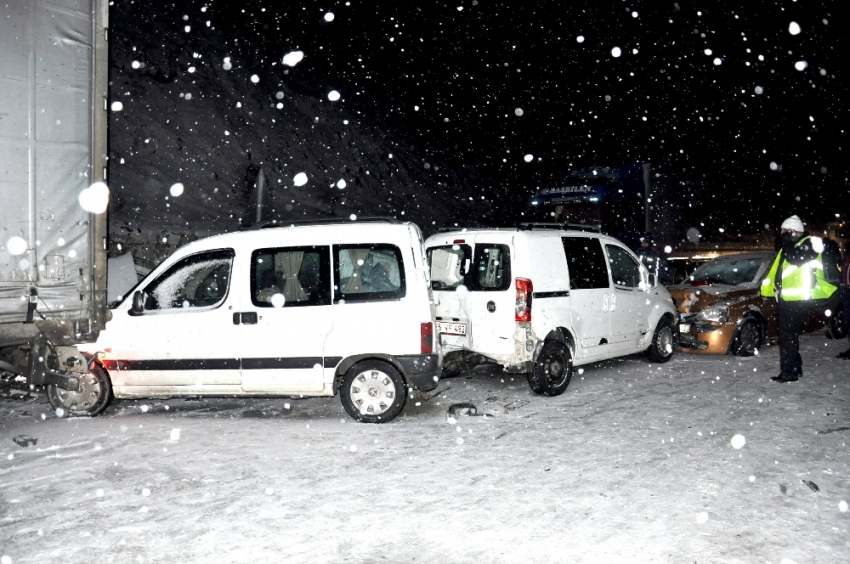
column 542, row 300
column 306, row 310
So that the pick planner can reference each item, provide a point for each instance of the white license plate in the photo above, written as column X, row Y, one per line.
column 684, row 327
column 451, row 328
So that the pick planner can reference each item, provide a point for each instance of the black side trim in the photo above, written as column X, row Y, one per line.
column 224, row 363
column 174, row 364
column 558, row 294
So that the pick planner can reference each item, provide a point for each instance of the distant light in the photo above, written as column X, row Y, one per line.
column 801, row 65
column 616, row 52
column 333, row 95
column 293, row 58
column 594, row 199
column 300, row 179
column 534, row 202
column 794, row 28
column 176, row 189
column 255, row 79
column 329, row 17
column 117, row 106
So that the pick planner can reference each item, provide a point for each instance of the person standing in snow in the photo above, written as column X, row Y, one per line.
column 844, row 290
column 795, row 278
column 652, row 257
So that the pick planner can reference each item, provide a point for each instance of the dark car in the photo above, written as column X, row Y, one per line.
column 721, row 310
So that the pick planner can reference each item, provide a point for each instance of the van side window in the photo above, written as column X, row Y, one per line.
column 625, row 270
column 449, row 266
column 368, row 273
column 586, row 263
column 492, row 270
column 291, row 276
column 196, row 281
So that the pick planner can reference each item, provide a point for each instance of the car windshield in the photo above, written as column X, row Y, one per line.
column 727, row 271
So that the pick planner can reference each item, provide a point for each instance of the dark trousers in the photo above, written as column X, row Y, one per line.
column 844, row 292
column 792, row 317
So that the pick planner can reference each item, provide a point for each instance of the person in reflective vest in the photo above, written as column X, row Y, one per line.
column 795, row 279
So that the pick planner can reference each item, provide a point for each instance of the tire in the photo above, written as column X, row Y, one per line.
column 836, row 326
column 552, row 370
column 748, row 338
column 373, row 391
column 95, row 394
column 661, row 347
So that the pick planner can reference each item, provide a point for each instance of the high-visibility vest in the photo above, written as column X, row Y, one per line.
column 805, row 282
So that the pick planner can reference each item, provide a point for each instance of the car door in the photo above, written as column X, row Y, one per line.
column 286, row 319
column 629, row 304
column 590, row 295
column 184, row 340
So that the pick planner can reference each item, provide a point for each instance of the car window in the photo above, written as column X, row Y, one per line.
column 196, row 281
column 728, row 271
column 368, row 273
column 492, row 268
column 291, row 276
column 625, row 270
column 586, row 263
column 449, row 266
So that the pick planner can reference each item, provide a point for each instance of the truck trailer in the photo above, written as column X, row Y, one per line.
column 53, row 148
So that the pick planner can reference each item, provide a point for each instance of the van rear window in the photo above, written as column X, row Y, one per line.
column 454, row 265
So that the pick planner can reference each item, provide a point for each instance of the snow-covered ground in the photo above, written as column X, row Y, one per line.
column 636, row 462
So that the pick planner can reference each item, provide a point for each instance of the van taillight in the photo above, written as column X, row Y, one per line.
column 426, row 333
column 524, row 290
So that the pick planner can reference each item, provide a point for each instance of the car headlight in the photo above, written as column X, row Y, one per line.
column 718, row 313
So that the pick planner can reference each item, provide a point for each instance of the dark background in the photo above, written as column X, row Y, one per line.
column 447, row 79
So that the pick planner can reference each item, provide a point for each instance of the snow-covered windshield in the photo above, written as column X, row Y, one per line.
column 197, row 281
column 731, row 272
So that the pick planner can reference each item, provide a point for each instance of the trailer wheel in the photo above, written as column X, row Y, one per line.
column 94, row 394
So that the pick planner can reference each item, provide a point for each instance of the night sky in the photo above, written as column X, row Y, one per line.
column 709, row 90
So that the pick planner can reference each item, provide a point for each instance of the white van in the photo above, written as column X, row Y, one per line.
column 308, row 310
column 541, row 300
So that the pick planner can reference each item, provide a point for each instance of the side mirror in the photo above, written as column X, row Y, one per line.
column 138, row 303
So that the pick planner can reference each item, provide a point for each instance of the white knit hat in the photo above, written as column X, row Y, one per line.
column 793, row 223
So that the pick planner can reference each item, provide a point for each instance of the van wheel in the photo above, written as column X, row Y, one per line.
column 748, row 338
column 93, row 396
column 552, row 370
column 373, row 392
column 661, row 347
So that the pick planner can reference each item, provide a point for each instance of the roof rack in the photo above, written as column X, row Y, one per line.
column 321, row 221
column 553, row 225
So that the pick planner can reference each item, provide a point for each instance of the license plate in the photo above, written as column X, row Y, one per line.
column 451, row 328
column 684, row 327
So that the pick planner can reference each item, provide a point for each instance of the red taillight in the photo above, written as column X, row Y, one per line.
column 426, row 333
column 524, row 290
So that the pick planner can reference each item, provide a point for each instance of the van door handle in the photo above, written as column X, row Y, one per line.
column 245, row 318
